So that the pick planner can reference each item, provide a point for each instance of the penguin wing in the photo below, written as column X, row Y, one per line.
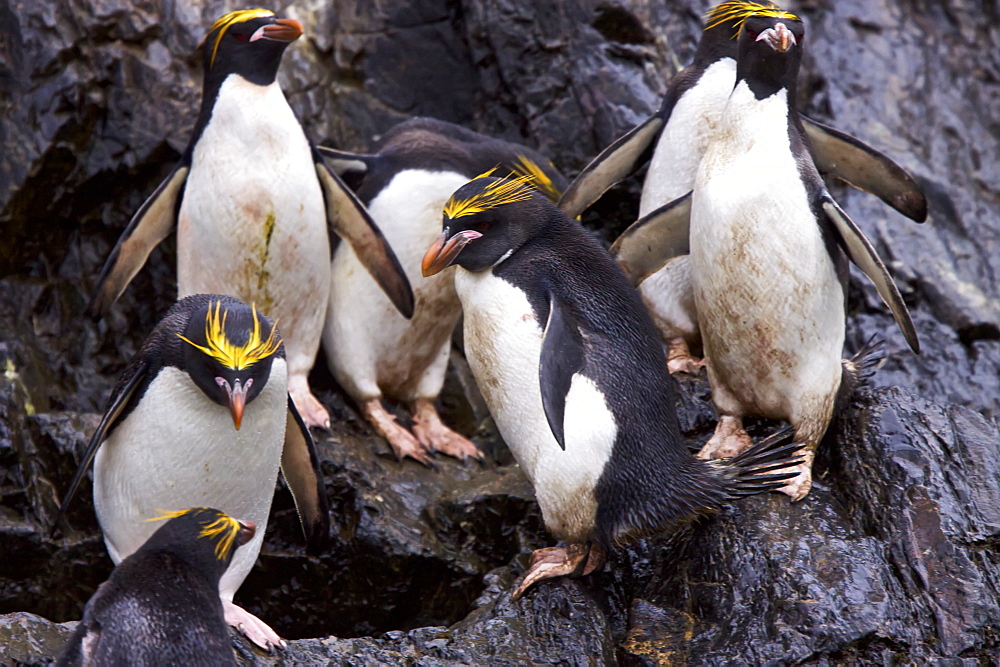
column 561, row 358
column 119, row 401
column 855, row 162
column 301, row 470
column 345, row 162
column 350, row 221
column 152, row 223
column 613, row 164
column 654, row 239
column 861, row 252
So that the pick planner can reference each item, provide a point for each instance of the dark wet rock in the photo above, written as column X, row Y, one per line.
column 892, row 559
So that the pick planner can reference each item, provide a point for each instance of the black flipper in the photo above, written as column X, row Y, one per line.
column 861, row 252
column 345, row 162
column 653, row 240
column 301, row 470
column 119, row 401
column 755, row 470
column 851, row 160
column 613, row 164
column 152, row 223
column 349, row 220
column 561, row 358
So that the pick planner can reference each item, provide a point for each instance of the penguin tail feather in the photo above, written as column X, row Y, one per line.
column 858, row 370
column 756, row 470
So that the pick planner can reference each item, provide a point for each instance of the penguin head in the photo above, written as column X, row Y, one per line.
column 723, row 23
column 486, row 221
column 248, row 42
column 203, row 536
column 769, row 52
column 229, row 352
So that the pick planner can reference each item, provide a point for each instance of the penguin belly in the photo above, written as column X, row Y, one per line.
column 503, row 342
column 667, row 293
column 766, row 289
column 176, row 450
column 372, row 349
column 252, row 221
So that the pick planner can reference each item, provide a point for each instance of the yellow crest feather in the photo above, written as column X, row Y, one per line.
column 741, row 10
column 539, row 179
column 226, row 22
column 504, row 191
column 235, row 357
column 224, row 525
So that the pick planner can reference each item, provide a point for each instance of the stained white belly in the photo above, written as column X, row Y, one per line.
column 372, row 349
column 766, row 289
column 668, row 294
column 252, row 222
column 189, row 455
column 503, row 344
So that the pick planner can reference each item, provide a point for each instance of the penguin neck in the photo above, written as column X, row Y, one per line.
column 213, row 88
column 752, row 121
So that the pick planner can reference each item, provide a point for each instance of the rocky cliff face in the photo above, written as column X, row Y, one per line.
column 894, row 556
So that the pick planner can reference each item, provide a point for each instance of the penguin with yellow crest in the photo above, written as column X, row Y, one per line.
column 373, row 352
column 254, row 204
column 673, row 142
column 161, row 605
column 202, row 416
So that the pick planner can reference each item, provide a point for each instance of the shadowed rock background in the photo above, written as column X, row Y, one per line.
column 894, row 557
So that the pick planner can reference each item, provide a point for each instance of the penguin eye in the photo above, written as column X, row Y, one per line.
column 242, row 37
column 483, row 226
column 750, row 31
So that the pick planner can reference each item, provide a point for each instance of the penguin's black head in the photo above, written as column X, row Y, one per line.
column 486, row 221
column 230, row 350
column 722, row 27
column 248, row 42
column 203, row 536
column 769, row 52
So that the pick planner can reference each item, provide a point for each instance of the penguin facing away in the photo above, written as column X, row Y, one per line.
column 573, row 372
column 254, row 204
column 201, row 415
column 372, row 351
column 768, row 252
column 674, row 140
column 161, row 606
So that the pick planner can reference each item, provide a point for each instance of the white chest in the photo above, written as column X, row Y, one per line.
column 503, row 342
column 252, row 207
column 177, row 450
column 766, row 289
column 694, row 120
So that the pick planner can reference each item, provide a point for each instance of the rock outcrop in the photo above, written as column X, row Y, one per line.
column 894, row 557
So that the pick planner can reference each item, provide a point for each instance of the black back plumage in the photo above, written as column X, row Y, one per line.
column 436, row 145
column 651, row 483
column 161, row 605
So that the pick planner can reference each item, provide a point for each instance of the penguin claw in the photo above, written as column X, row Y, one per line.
column 550, row 562
column 254, row 629
column 312, row 411
column 436, row 437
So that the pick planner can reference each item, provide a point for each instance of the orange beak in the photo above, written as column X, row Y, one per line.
column 444, row 250
column 247, row 531
column 779, row 37
column 237, row 395
column 282, row 30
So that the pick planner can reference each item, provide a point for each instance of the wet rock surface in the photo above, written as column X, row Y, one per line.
column 894, row 557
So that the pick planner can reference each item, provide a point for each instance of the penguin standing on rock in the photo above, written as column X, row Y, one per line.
column 674, row 141
column 769, row 249
column 161, row 605
column 202, row 415
column 252, row 201
column 573, row 372
column 373, row 352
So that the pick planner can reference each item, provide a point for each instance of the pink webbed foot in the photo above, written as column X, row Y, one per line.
column 436, row 437
column 403, row 442
column 729, row 439
column 310, row 409
column 256, row 630
column 573, row 560
column 680, row 360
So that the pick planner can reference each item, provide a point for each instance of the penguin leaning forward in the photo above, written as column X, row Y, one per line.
column 202, row 416
column 161, row 605
column 252, row 200
column 769, row 249
column 372, row 351
column 674, row 140
column 574, row 374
